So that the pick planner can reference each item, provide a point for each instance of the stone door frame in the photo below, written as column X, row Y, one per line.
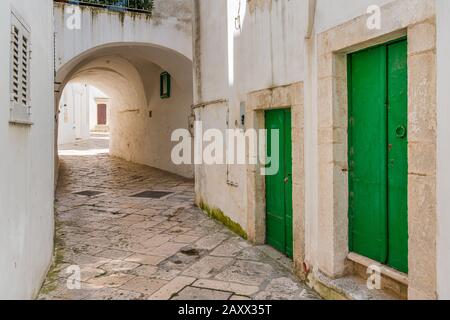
column 417, row 23
column 289, row 96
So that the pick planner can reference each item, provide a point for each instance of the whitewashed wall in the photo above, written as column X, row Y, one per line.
column 265, row 51
column 74, row 114
column 169, row 28
column 270, row 50
column 78, row 112
column 26, row 163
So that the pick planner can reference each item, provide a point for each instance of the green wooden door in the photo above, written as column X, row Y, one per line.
column 397, row 156
column 378, row 154
column 367, row 154
column 279, row 186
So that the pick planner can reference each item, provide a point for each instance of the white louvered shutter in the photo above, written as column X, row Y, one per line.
column 20, row 70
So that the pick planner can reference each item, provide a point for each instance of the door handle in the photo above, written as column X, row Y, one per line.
column 400, row 132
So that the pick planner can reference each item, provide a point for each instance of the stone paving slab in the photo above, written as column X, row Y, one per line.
column 138, row 249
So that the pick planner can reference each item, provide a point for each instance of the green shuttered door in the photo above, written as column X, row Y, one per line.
column 279, row 186
column 378, row 154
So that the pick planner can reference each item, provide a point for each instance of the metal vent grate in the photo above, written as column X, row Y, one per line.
column 88, row 193
column 152, row 194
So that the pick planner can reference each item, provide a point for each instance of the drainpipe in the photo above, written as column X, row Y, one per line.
column 196, row 52
column 312, row 4
column 304, row 267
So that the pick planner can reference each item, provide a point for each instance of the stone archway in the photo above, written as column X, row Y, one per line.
column 141, row 122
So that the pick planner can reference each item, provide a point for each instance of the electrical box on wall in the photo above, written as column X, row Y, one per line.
column 165, row 82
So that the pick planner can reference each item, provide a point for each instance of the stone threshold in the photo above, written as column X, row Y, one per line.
column 351, row 287
column 346, row 288
column 385, row 270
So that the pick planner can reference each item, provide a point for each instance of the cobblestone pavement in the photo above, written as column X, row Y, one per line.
column 138, row 248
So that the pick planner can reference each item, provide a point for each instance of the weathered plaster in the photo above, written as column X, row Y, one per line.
column 253, row 5
column 232, row 59
column 100, row 27
column 178, row 10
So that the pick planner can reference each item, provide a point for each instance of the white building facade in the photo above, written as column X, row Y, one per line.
column 26, row 139
column 292, row 55
column 82, row 109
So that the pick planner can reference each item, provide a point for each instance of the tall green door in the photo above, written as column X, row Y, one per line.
column 279, row 186
column 367, row 153
column 397, row 156
column 378, row 163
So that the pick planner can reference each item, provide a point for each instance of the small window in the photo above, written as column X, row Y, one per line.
column 165, row 85
column 20, row 56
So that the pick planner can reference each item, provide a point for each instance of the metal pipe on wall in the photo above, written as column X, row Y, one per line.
column 312, row 4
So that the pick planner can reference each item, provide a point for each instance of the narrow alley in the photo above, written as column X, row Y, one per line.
column 129, row 246
column 225, row 150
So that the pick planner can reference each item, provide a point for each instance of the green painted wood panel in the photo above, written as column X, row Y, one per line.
column 275, row 205
column 378, row 162
column 288, row 181
column 397, row 156
column 279, row 186
column 367, row 153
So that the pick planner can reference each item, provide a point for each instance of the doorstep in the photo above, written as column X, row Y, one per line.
column 346, row 288
column 352, row 287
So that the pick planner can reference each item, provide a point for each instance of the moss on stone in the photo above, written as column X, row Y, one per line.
column 52, row 277
column 218, row 215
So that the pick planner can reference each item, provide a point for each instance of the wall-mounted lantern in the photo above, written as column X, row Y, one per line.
column 165, row 80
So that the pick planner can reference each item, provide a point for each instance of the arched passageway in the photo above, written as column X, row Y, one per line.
column 123, row 53
column 141, row 121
